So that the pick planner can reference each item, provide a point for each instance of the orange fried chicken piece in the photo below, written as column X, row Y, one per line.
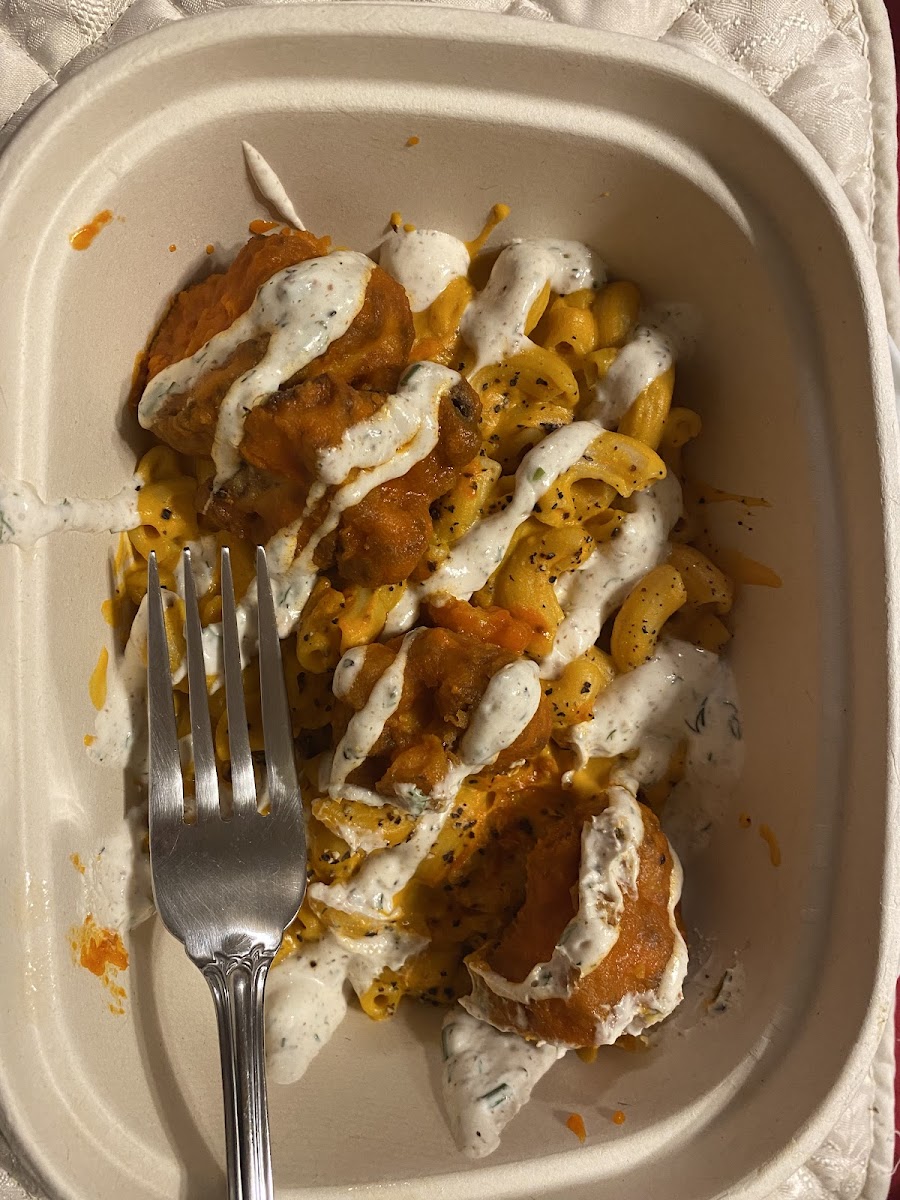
column 635, row 965
column 371, row 354
column 446, row 675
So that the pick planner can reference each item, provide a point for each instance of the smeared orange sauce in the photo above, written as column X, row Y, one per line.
column 771, row 841
column 97, row 682
column 75, row 860
column 139, row 360
column 413, row 141
column 704, row 493
column 618, row 1117
column 587, row 1054
column 102, row 952
column 575, row 1122
column 262, row 226
column 82, row 237
column 746, row 570
column 498, row 213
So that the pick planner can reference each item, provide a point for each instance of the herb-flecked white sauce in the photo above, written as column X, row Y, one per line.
column 682, row 694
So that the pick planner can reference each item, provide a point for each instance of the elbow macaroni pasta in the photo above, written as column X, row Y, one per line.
column 575, row 340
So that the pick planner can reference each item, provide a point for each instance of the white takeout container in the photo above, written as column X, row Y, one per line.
column 700, row 191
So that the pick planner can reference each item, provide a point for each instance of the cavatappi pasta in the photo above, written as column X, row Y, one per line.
column 501, row 646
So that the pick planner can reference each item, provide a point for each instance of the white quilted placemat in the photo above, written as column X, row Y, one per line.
column 827, row 64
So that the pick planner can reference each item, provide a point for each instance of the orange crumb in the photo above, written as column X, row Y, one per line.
column 412, row 141
column 75, row 860
column 172, row 248
column 587, row 1054
column 89, row 739
column 772, row 842
column 618, row 1117
column 102, row 952
column 261, row 226
column 100, row 948
column 210, row 248
column 408, row 228
column 575, row 1122
column 744, row 820
column 82, row 237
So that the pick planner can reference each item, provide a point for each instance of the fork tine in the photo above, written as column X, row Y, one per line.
column 166, row 788
column 206, row 781
column 280, row 767
column 243, row 785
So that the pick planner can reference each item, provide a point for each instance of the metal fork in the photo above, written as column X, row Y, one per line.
column 227, row 885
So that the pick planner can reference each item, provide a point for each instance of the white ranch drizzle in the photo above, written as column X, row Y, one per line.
column 366, row 726
column 664, row 334
column 117, row 887
column 303, row 309
column 346, row 671
column 204, row 564
column 415, row 411
column 487, row 1077
column 25, row 517
column 494, row 323
column 509, row 702
column 270, row 186
column 306, row 996
column 610, row 842
column 592, row 591
column 475, row 557
column 646, row 356
column 424, row 261
column 415, row 408
column 120, row 728
column 677, row 696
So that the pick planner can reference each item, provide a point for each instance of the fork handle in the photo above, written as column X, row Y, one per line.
column 237, row 983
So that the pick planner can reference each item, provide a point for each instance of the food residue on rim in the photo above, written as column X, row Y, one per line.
column 82, row 237
column 575, row 1122
column 76, row 861
column 97, row 682
column 587, row 1054
column 768, row 836
column 210, row 249
column 618, row 1117
column 172, row 248
column 745, row 820
column 413, row 141
column 102, row 952
column 261, row 225
column 498, row 213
